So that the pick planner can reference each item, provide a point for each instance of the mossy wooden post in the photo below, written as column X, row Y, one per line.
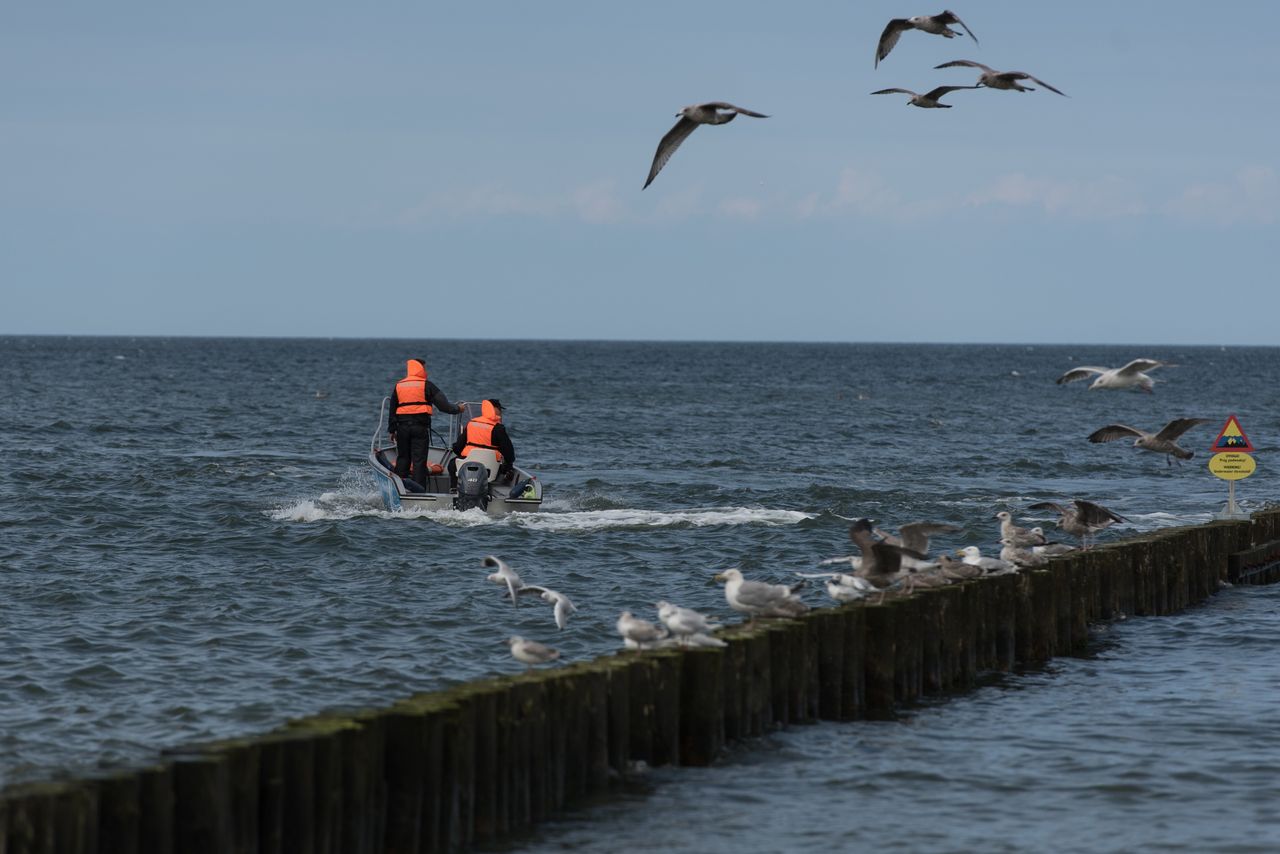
column 1144, row 559
column 759, row 694
column 1044, row 621
column 478, row 703
column 571, row 682
column 619, row 688
column 812, row 642
column 201, row 800
column 781, row 672
column 853, row 684
column 987, row 610
column 880, row 654
column 906, row 650
column 406, row 766
column 119, row 812
column 30, row 819
column 460, row 776
column 666, row 735
column 1062, row 603
column 531, row 705
column 643, row 712
column 1161, row 570
column 803, row 681
column 1024, row 628
column 596, row 706
column 827, row 626
column 75, row 813
column 962, row 634
column 736, row 673
column 327, row 782
column 1182, row 554
column 931, row 603
column 244, row 771
column 701, row 706
column 1004, row 597
column 364, row 786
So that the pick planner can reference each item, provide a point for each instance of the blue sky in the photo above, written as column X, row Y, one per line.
column 302, row 170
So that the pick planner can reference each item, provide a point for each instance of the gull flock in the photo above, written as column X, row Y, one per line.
column 886, row 563
column 721, row 112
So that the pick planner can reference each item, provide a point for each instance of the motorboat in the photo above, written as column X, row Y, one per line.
column 478, row 483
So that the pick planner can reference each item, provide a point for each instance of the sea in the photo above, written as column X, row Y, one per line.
column 192, row 547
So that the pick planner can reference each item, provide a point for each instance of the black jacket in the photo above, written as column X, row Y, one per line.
column 501, row 441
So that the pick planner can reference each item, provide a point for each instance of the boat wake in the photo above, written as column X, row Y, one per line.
column 345, row 505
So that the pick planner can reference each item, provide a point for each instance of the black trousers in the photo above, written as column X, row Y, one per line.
column 413, row 438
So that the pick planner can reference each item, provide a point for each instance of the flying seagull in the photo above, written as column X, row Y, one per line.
column 993, row 79
column 710, row 113
column 935, row 24
column 928, row 99
column 560, row 602
column 504, row 575
column 1132, row 374
column 1082, row 519
column 1165, row 442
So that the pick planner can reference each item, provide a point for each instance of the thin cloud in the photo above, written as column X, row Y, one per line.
column 1106, row 198
column 1252, row 197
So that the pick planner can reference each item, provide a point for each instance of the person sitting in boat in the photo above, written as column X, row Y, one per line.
column 413, row 400
column 484, row 431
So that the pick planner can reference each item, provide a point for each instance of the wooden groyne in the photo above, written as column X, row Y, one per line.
column 451, row 769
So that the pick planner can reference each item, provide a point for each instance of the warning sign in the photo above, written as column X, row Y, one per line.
column 1232, row 438
column 1232, row 466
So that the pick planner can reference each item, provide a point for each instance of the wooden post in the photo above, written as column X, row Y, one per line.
column 701, row 706
column 881, row 640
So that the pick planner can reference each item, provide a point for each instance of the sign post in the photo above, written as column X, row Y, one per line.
column 1232, row 460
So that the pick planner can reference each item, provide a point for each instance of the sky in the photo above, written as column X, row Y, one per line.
column 474, row 170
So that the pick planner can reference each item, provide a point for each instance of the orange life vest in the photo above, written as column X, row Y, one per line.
column 480, row 430
column 411, row 392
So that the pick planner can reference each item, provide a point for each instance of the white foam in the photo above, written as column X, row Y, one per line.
column 341, row 506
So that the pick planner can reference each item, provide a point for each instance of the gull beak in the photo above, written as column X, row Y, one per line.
column 719, row 576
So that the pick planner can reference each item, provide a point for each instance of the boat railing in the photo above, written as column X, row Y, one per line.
column 379, row 431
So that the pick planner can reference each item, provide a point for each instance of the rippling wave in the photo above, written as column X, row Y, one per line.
column 191, row 546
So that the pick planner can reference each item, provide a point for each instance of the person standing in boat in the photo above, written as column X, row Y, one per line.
column 484, row 431
column 413, row 400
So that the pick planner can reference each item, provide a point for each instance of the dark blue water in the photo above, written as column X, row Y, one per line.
column 191, row 547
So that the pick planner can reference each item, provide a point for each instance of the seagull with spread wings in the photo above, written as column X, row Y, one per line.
column 929, row 100
column 1132, row 374
column 1007, row 80
column 938, row 25
column 1165, row 442
column 710, row 113
column 1081, row 519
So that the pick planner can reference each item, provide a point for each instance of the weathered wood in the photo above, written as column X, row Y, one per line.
column 202, row 805
column 473, row 764
column 907, row 683
column 119, row 812
column 701, row 706
column 853, row 684
column 880, row 654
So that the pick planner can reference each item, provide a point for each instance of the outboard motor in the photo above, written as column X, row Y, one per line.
column 473, row 486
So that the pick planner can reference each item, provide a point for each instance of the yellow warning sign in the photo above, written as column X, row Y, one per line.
column 1232, row 466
